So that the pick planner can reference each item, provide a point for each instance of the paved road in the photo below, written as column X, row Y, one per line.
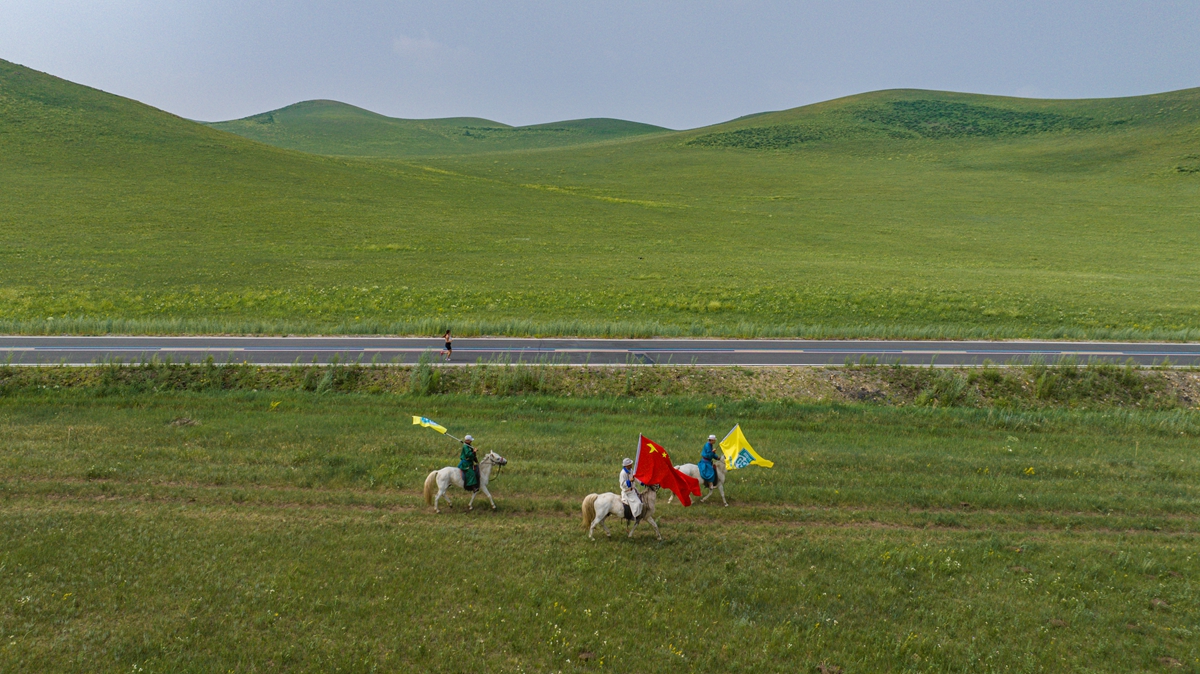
column 287, row 350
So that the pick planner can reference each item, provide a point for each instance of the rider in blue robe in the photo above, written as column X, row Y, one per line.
column 707, row 455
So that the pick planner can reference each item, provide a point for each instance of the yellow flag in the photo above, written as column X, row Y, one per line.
column 739, row 453
column 429, row 423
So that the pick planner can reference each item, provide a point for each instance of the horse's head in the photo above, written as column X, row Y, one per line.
column 495, row 458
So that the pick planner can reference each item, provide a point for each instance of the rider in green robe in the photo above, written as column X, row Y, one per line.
column 468, row 463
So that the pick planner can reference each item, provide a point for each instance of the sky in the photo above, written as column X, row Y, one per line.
column 675, row 64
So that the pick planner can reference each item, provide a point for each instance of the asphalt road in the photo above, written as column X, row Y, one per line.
column 287, row 350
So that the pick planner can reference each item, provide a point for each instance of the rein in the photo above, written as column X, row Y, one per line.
column 495, row 473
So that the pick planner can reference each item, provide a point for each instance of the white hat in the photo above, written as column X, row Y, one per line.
column 468, row 439
column 627, row 462
column 712, row 437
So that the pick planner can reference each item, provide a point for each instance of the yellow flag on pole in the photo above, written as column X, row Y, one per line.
column 739, row 453
column 429, row 423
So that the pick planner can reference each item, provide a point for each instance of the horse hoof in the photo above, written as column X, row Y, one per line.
column 493, row 507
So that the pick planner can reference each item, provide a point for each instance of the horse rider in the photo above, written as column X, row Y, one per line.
column 468, row 463
column 629, row 495
column 708, row 454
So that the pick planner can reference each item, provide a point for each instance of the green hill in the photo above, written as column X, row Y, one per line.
column 896, row 213
column 329, row 127
column 932, row 115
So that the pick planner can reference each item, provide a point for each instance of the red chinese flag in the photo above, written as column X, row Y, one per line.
column 653, row 466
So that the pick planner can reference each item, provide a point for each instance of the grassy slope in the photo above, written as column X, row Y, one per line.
column 291, row 535
column 333, row 128
column 1091, row 227
column 816, row 221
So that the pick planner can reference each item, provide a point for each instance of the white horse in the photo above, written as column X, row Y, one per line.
column 442, row 479
column 694, row 471
column 596, row 507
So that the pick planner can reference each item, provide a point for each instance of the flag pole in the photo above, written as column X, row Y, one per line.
column 637, row 454
column 459, row 440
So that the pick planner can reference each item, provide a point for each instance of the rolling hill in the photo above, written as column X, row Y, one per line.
column 904, row 114
column 333, row 128
column 894, row 213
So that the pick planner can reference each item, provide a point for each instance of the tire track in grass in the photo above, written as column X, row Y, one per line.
column 773, row 516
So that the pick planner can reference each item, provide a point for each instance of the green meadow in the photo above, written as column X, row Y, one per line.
column 890, row 214
column 284, row 530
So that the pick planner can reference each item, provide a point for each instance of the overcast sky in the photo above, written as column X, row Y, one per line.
column 677, row 64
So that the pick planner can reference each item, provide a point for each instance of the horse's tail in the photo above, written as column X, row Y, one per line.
column 430, row 488
column 589, row 510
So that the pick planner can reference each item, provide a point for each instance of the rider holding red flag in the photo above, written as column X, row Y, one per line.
column 654, row 467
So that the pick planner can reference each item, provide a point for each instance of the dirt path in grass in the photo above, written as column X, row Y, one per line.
column 80, row 496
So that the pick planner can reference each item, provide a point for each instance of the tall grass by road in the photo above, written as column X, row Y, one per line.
column 1101, row 387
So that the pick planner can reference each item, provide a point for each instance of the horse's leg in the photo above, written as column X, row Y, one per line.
column 710, row 491
column 634, row 527
column 598, row 519
column 655, row 525
column 721, row 486
column 440, row 495
column 471, row 503
column 488, row 494
column 453, row 478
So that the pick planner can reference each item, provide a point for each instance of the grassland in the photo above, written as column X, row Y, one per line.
column 893, row 214
column 333, row 128
column 264, row 530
